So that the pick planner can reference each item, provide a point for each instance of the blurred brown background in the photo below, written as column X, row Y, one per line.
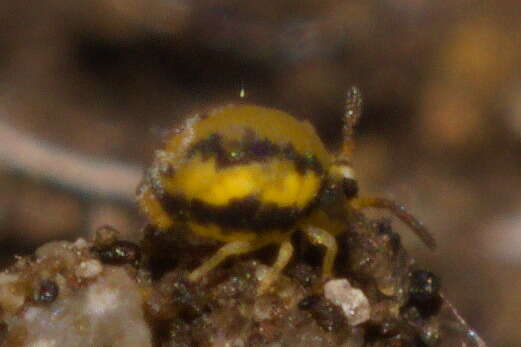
column 96, row 83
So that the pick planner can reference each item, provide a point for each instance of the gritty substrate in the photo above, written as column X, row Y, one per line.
column 110, row 292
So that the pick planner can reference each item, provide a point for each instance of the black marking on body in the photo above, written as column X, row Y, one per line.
column 246, row 213
column 251, row 149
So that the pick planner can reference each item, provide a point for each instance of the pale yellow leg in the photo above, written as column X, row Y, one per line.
column 321, row 237
column 230, row 249
column 283, row 258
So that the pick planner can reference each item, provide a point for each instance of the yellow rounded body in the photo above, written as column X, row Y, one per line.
column 239, row 173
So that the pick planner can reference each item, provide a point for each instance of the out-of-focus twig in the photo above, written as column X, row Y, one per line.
column 90, row 176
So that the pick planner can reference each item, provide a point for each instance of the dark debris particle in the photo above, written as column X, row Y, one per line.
column 183, row 292
column 48, row 291
column 105, row 236
column 424, row 293
column 350, row 187
column 308, row 302
column 386, row 232
column 429, row 308
column 392, row 333
column 425, row 286
column 303, row 273
column 162, row 251
column 388, row 328
column 119, row 253
column 190, row 302
column 328, row 316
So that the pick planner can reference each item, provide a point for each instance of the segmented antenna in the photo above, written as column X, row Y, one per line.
column 353, row 111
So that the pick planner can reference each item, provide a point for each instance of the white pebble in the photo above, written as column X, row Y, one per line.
column 353, row 302
column 89, row 269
